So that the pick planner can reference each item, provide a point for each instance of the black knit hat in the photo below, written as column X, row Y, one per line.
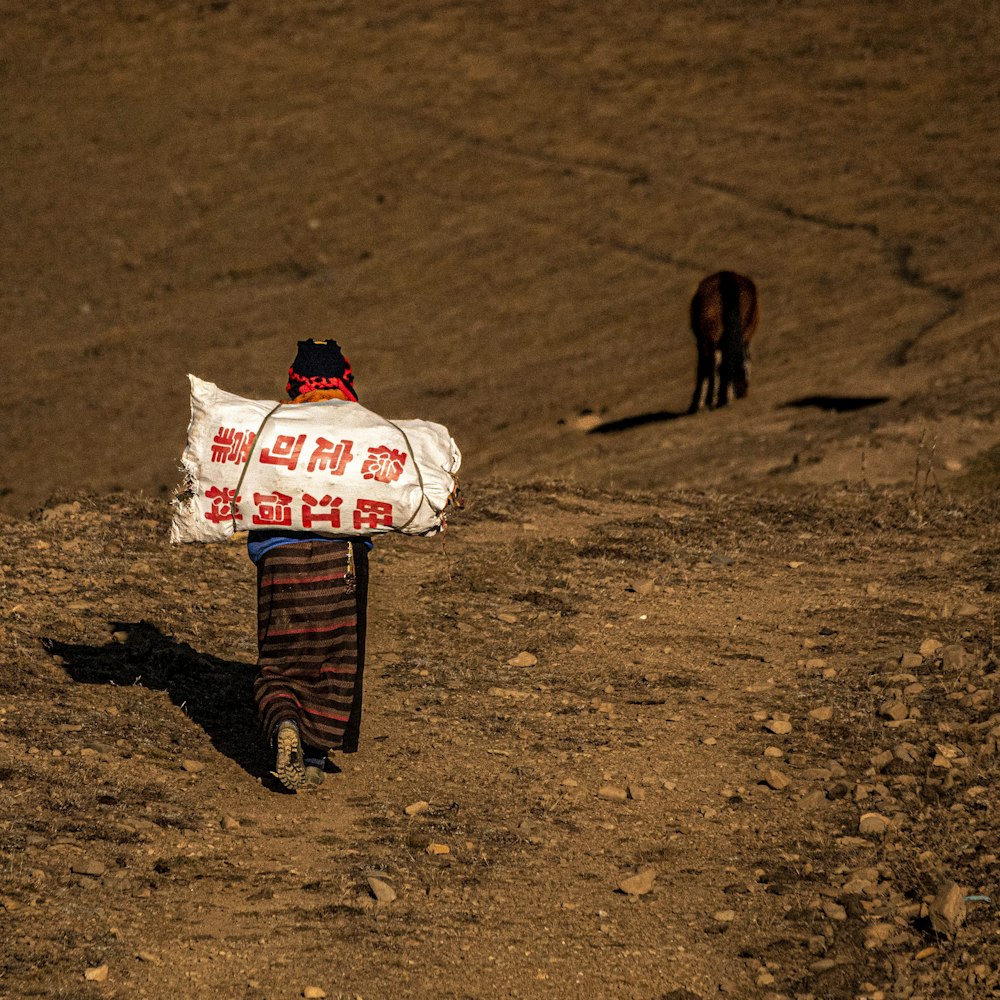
column 320, row 364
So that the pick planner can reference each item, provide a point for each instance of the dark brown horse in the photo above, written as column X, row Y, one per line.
column 723, row 319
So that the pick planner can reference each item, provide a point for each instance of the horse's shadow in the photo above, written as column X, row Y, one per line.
column 214, row 693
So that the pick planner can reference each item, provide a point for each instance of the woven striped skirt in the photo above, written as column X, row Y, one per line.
column 311, row 603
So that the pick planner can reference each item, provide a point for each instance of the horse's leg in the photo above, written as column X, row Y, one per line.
column 723, row 383
column 710, row 369
column 699, row 382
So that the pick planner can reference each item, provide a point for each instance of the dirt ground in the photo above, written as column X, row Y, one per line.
column 667, row 636
column 684, row 707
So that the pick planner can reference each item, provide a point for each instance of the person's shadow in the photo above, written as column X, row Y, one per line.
column 217, row 694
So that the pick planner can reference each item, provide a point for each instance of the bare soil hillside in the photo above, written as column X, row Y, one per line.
column 501, row 211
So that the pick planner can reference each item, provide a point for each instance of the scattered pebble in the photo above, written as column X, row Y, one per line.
column 88, row 866
column 416, row 808
column 776, row 779
column 779, row 727
column 947, row 909
column 873, row 824
column 613, row 793
column 381, row 890
column 523, row 659
column 638, row 885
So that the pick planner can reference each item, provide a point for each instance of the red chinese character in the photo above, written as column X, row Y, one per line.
column 372, row 514
column 311, row 516
column 285, row 451
column 222, row 504
column 384, row 465
column 222, row 442
column 332, row 456
column 273, row 510
column 231, row 445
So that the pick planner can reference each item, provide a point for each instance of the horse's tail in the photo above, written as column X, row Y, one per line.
column 734, row 359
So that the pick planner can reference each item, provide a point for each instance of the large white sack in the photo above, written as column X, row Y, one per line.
column 330, row 468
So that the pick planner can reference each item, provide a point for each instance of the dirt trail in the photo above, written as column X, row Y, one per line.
column 669, row 632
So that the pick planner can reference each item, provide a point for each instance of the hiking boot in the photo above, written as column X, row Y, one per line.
column 289, row 768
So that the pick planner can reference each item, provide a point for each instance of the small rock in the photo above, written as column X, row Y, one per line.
column 930, row 646
column 947, row 909
column 953, row 657
column 779, row 727
column 815, row 799
column 416, row 808
column 314, row 993
column 776, row 779
column 381, row 890
column 638, row 885
column 873, row 824
column 773, row 752
column 120, row 637
column 822, row 965
column 433, row 848
column 148, row 956
column 613, row 793
column 644, row 587
column 877, row 935
column 587, row 422
column 523, row 659
column 192, row 766
column 822, row 714
column 894, row 709
column 229, row 823
column 98, row 974
column 636, row 792
column 724, row 916
column 87, row 866
column 910, row 661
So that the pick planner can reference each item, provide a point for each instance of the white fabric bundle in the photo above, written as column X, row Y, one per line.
column 330, row 468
